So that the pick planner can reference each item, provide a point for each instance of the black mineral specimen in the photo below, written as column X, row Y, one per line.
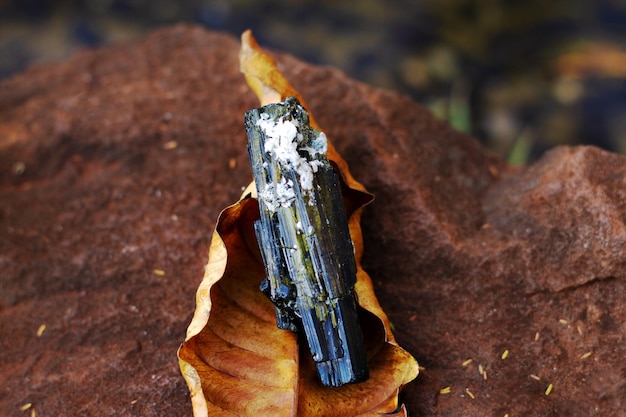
column 304, row 239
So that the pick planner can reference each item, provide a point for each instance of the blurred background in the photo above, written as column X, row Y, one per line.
column 521, row 76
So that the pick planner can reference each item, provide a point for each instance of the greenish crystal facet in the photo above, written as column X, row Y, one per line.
column 304, row 239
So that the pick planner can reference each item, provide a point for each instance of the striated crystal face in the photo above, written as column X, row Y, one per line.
column 304, row 239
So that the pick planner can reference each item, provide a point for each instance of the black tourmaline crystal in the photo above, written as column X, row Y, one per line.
column 304, row 239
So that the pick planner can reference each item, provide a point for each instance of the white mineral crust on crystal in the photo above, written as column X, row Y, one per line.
column 283, row 139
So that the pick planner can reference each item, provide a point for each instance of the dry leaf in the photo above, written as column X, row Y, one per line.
column 234, row 358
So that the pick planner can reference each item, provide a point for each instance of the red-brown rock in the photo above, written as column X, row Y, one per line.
column 115, row 164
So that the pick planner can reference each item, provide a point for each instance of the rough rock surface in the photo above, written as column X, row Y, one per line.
column 115, row 164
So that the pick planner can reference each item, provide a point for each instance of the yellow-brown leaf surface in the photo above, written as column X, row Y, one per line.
column 235, row 360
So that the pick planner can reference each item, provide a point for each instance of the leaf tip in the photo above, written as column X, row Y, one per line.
column 257, row 67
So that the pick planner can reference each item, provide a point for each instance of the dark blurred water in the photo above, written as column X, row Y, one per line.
column 522, row 76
